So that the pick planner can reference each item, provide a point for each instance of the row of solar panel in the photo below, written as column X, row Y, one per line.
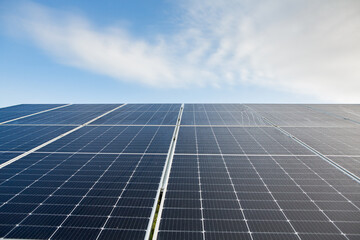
column 111, row 194
column 258, row 183
column 84, row 194
column 194, row 114
column 339, row 141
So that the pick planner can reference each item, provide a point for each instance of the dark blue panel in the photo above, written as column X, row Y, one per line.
column 4, row 156
column 57, row 193
column 16, row 138
column 220, row 114
column 211, row 196
column 133, row 114
column 21, row 110
column 115, row 139
column 73, row 114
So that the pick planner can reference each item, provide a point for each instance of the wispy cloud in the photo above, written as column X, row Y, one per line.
column 308, row 47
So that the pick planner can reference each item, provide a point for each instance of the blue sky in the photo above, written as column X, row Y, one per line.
column 179, row 51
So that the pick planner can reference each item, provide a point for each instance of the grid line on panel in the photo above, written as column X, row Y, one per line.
column 200, row 189
column 232, row 184
column 321, row 210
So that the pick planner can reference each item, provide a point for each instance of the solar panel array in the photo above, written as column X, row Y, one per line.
column 98, row 182
column 252, row 181
column 224, row 171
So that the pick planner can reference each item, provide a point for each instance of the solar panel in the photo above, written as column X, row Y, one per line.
column 6, row 156
column 299, row 116
column 98, row 182
column 333, row 142
column 73, row 114
column 253, row 182
column 220, row 114
column 115, row 139
column 226, row 197
column 236, row 140
column 345, row 111
column 225, row 172
column 140, row 114
column 21, row 110
column 23, row 138
column 56, row 195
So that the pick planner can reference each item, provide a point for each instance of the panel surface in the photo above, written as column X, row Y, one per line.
column 23, row 138
column 99, row 182
column 341, row 145
column 220, row 114
column 115, row 139
column 298, row 115
column 348, row 111
column 273, row 197
column 236, row 140
column 73, row 114
column 233, row 175
column 82, row 196
column 21, row 110
column 141, row 114
column 254, row 182
column 6, row 156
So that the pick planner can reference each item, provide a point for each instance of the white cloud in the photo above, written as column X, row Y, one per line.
column 308, row 47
